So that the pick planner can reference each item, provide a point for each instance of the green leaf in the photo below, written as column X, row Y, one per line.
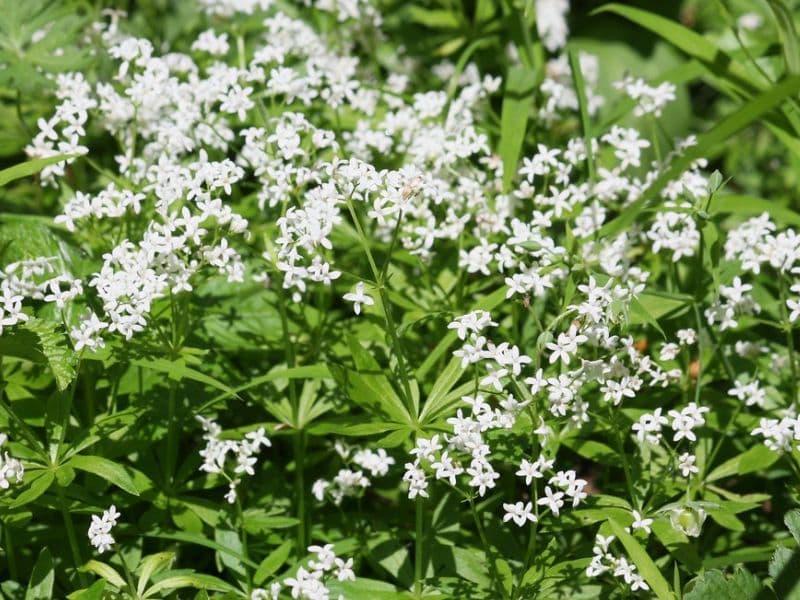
column 105, row 571
column 721, row 65
column 273, row 561
column 392, row 556
column 105, row 469
column 647, row 568
column 40, row 585
column 194, row 580
column 586, row 125
column 200, row 540
column 517, row 102
column 787, row 35
column 784, row 569
column 30, row 168
column 152, row 564
column 437, row 397
column 93, row 592
column 42, row 482
column 739, row 204
column 367, row 589
column 709, row 144
column 714, row 585
column 39, row 341
column 640, row 315
column 792, row 521
column 487, row 303
column 756, row 458
column 433, row 18
column 177, row 370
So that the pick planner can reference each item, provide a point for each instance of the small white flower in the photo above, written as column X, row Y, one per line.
column 520, row 513
column 358, row 298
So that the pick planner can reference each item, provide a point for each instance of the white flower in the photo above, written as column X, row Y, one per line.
column 358, row 298
column 100, row 529
column 552, row 500
column 520, row 513
column 686, row 464
column 641, row 523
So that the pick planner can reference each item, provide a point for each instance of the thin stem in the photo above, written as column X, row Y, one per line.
column 243, row 534
column 530, row 551
column 299, row 436
column 387, row 311
column 71, row 537
column 10, row 555
column 624, row 457
column 419, row 573
column 485, row 543
column 128, row 574
column 789, row 338
column 62, row 435
column 299, row 487
column 172, row 435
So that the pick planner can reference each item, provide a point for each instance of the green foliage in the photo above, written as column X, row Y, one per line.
column 224, row 360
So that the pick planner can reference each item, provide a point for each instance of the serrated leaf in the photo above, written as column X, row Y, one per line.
column 715, row 585
column 792, row 521
column 105, row 469
column 39, row 341
column 784, row 568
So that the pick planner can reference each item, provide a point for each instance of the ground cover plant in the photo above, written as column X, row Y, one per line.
column 369, row 299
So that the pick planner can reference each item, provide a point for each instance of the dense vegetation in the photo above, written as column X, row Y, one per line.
column 369, row 299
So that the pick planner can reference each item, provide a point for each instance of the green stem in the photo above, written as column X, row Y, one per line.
column 789, row 338
column 530, row 551
column 486, row 548
column 172, row 435
column 62, row 435
column 624, row 458
column 299, row 436
column 128, row 574
column 300, row 490
column 419, row 570
column 71, row 537
column 243, row 534
column 387, row 311
column 10, row 555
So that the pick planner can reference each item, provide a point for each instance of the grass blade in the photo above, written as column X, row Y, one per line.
column 708, row 145
column 520, row 87
column 580, row 90
column 787, row 34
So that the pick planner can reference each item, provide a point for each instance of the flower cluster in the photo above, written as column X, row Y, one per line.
column 244, row 452
column 310, row 583
column 11, row 469
column 349, row 482
column 100, row 529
